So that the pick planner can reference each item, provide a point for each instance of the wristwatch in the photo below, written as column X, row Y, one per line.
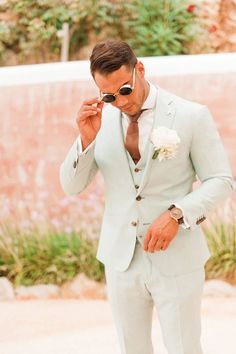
column 176, row 214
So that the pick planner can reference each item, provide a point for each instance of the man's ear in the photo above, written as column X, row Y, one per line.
column 140, row 69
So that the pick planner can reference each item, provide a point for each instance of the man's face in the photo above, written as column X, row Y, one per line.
column 111, row 83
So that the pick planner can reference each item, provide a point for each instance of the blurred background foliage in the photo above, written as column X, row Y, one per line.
column 38, row 247
column 29, row 29
column 47, row 256
column 166, row 28
column 220, row 232
column 50, row 242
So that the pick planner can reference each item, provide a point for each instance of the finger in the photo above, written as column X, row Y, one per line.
column 85, row 109
column 84, row 115
column 100, row 105
column 159, row 244
column 87, row 114
column 156, row 235
column 146, row 240
column 164, row 245
column 90, row 108
column 152, row 243
column 92, row 101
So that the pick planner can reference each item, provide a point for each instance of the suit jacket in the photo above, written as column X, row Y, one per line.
column 163, row 183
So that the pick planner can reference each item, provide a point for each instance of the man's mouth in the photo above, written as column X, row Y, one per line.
column 127, row 108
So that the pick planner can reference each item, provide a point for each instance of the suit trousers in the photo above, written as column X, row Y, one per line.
column 177, row 299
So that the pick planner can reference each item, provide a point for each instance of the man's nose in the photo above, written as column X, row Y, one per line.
column 121, row 101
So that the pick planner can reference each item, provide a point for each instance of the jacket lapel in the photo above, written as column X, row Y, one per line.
column 164, row 116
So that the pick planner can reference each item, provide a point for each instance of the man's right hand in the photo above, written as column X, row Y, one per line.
column 89, row 120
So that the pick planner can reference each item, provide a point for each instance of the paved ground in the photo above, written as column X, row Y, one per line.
column 86, row 327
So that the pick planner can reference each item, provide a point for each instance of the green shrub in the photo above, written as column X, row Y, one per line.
column 221, row 236
column 32, row 27
column 28, row 29
column 43, row 255
column 165, row 27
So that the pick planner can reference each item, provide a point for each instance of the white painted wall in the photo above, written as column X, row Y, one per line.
column 155, row 66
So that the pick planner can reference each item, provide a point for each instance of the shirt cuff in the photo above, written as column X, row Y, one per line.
column 185, row 224
column 80, row 150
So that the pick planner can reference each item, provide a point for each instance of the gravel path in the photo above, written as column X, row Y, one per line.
column 86, row 327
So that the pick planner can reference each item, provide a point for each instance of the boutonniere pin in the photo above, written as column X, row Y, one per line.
column 166, row 142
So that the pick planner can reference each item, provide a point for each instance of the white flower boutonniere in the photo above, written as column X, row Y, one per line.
column 166, row 143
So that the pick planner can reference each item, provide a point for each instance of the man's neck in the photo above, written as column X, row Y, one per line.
column 135, row 117
column 145, row 95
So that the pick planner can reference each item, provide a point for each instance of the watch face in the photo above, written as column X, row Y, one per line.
column 176, row 213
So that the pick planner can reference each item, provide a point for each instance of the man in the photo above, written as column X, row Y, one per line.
column 149, row 145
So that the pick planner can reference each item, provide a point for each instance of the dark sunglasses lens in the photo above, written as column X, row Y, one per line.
column 108, row 98
column 125, row 91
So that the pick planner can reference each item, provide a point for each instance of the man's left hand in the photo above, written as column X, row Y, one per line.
column 161, row 232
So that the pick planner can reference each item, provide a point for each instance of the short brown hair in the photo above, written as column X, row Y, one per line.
column 110, row 55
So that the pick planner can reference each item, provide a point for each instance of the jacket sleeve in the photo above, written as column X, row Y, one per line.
column 78, row 169
column 211, row 165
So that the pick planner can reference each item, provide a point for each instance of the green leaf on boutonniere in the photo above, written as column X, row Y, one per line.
column 156, row 152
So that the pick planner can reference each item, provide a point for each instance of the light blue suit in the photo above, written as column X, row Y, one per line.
column 162, row 183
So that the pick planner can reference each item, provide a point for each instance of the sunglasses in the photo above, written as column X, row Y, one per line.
column 124, row 90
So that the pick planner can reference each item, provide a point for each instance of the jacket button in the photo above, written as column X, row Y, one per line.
column 136, row 169
column 134, row 223
column 75, row 164
column 138, row 198
column 136, row 186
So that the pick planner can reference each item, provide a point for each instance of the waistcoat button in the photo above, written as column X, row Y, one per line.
column 138, row 198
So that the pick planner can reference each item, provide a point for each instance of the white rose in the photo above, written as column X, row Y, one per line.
column 164, row 137
column 165, row 142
